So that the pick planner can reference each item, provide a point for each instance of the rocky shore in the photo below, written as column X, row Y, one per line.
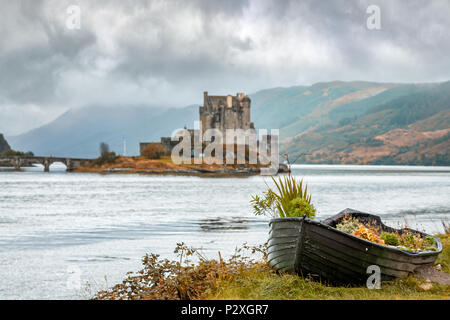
column 188, row 171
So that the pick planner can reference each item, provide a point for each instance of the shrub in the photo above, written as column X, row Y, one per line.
column 300, row 207
column 154, row 151
column 106, row 156
column 290, row 201
column 163, row 279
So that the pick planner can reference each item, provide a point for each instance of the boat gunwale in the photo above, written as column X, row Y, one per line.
column 364, row 241
column 375, row 255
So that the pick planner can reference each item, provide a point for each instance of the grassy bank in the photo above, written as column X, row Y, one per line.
column 266, row 286
column 164, row 165
column 271, row 286
column 241, row 277
column 132, row 164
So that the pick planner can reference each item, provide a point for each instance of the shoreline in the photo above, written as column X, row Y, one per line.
column 165, row 166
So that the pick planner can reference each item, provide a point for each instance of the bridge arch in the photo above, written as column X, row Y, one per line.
column 46, row 162
column 52, row 166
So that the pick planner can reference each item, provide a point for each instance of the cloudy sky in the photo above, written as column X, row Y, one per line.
column 168, row 52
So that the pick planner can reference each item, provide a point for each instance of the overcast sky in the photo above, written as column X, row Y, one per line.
column 168, row 52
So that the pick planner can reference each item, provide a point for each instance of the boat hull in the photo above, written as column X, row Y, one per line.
column 283, row 242
column 320, row 250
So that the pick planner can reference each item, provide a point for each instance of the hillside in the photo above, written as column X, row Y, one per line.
column 402, row 124
column 3, row 144
column 78, row 132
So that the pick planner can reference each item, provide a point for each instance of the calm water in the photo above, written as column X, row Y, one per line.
column 59, row 231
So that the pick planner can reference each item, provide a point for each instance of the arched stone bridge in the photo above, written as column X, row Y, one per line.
column 18, row 161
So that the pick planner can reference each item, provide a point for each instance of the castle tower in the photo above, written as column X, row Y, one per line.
column 225, row 112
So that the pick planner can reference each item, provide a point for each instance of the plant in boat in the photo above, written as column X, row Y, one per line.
column 368, row 234
column 349, row 224
column 404, row 240
column 390, row 238
column 288, row 199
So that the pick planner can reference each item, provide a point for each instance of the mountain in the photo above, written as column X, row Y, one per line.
column 296, row 109
column 79, row 132
column 339, row 122
column 361, row 122
column 3, row 144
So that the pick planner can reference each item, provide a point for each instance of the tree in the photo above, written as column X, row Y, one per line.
column 153, row 151
column 104, row 150
column 106, row 156
column 12, row 153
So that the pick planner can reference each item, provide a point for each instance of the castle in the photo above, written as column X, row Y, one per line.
column 225, row 112
column 217, row 112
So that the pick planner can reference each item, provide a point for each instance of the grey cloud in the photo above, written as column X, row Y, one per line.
column 30, row 74
column 168, row 52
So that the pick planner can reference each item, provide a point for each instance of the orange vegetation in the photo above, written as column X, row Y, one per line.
column 408, row 137
column 366, row 233
column 142, row 164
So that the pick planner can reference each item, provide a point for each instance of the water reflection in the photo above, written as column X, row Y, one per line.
column 230, row 223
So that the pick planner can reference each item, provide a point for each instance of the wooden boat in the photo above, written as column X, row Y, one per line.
column 318, row 249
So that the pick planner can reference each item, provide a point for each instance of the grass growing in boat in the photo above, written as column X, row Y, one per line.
column 405, row 240
column 290, row 200
column 390, row 239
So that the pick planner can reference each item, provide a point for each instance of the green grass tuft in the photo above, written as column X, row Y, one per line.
column 270, row 286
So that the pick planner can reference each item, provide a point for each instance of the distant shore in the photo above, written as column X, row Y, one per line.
column 165, row 166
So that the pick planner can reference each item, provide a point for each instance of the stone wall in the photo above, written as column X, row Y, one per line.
column 225, row 112
column 166, row 143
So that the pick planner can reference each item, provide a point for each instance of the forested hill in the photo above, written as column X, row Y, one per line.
column 360, row 122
